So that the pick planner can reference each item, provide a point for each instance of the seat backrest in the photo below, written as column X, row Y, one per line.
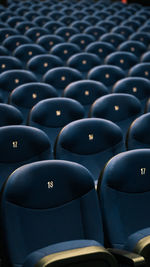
column 121, row 109
column 124, row 188
column 61, row 199
column 21, row 145
column 90, row 142
column 9, row 115
column 137, row 86
column 138, row 133
column 51, row 115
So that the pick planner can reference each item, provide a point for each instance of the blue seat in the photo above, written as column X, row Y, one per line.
column 48, row 41
column 52, row 26
column 66, row 32
column 25, row 96
column 142, row 37
column 24, row 26
column 123, row 30
column 12, row 42
column 36, row 32
column 113, row 38
column 135, row 47
column 21, row 11
column 13, row 21
column 101, row 49
column 121, row 109
column 138, row 133
column 67, row 20
column 67, row 10
column 56, row 15
column 31, row 15
column 83, row 62
column 9, row 115
column 95, row 31
column 45, row 10
column 11, row 79
column 86, row 92
column 124, row 60
column 132, row 24
column 40, row 64
column 90, row 142
column 26, row 51
column 60, row 216
column 60, row 77
column 139, row 18
column 146, row 57
column 6, row 32
column 6, row 15
column 21, row 145
column 124, row 188
column 9, row 63
column 41, row 20
column 141, row 70
column 117, row 19
column 51, row 115
column 79, row 15
column 3, row 51
column 80, row 25
column 106, row 74
column 136, row 86
column 82, row 40
column 65, row 50
column 92, row 19
column 107, row 25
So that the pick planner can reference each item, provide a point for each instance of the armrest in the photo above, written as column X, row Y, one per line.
column 71, row 253
column 132, row 259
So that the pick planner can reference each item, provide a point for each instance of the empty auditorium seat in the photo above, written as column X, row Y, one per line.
column 26, row 51
column 142, row 37
column 21, row 145
column 60, row 77
column 9, row 63
column 9, row 115
column 132, row 24
column 51, row 115
column 95, row 31
column 82, row 40
column 40, row 64
column 44, row 212
column 66, row 32
column 24, row 26
column 86, row 92
column 80, row 25
column 108, row 75
column 41, row 20
column 122, row 59
column 124, row 189
column 48, row 41
column 135, row 47
column 83, row 62
column 11, row 79
column 90, row 142
column 25, row 96
column 12, row 42
column 13, row 21
column 138, row 133
column 114, row 38
column 146, row 57
column 65, row 50
column 3, row 51
column 137, row 86
column 6, row 32
column 101, row 49
column 121, row 109
column 123, row 30
column 141, row 70
column 36, row 32
column 107, row 25
column 52, row 26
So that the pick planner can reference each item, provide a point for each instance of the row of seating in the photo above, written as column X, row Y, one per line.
column 71, row 229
